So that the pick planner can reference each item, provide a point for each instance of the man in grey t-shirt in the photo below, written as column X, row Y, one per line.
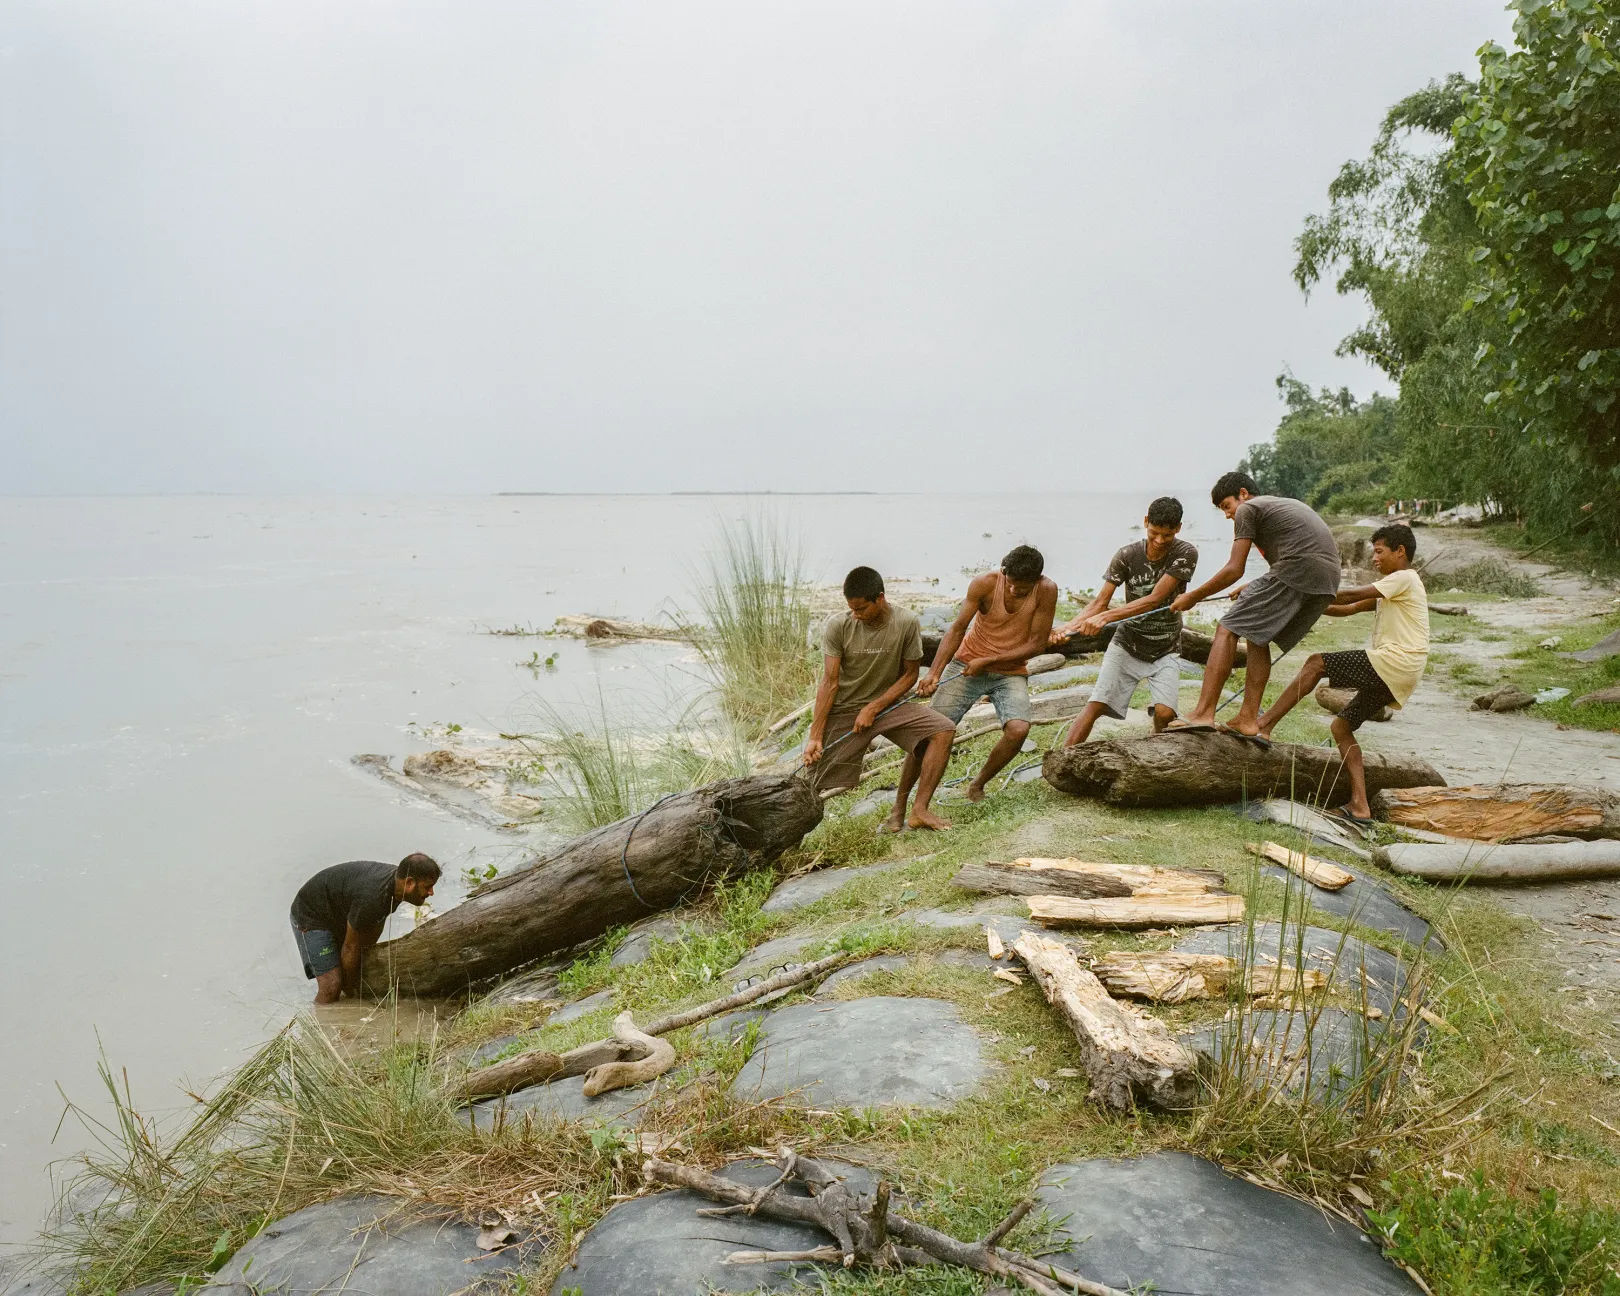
column 1277, row 608
column 1151, row 572
column 871, row 656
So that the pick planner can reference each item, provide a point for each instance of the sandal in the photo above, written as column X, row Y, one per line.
column 1259, row 740
column 1354, row 820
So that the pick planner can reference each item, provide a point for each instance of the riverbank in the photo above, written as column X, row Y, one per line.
column 1435, row 1147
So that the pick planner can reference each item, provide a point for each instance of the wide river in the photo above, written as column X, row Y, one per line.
column 184, row 680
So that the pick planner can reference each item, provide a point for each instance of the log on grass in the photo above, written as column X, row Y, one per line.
column 1177, row 910
column 1334, row 700
column 537, row 1066
column 1081, row 880
column 1503, row 811
column 1131, row 1058
column 1172, row 977
column 1195, row 646
column 675, row 849
column 1489, row 862
column 1197, row 768
column 1318, row 872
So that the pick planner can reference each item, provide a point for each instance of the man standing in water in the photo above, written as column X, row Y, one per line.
column 1151, row 572
column 1005, row 620
column 870, row 658
column 339, row 913
column 1277, row 608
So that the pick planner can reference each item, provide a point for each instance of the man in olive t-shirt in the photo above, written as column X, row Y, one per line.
column 871, row 656
column 339, row 914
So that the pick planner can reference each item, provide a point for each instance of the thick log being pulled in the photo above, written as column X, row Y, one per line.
column 1081, row 880
column 674, row 850
column 1179, row 768
column 1335, row 700
column 1318, row 872
column 1175, row 910
column 1503, row 811
column 1195, row 646
column 1131, row 1058
column 1489, row 862
column 1172, row 977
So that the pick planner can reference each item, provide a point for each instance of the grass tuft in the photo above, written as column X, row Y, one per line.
column 755, row 600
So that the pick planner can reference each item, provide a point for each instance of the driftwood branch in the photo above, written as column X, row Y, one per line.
column 866, row 1229
column 1178, row 909
column 659, row 1058
column 538, row 1066
column 1318, row 872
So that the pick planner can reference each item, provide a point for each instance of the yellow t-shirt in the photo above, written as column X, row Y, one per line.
column 1400, row 635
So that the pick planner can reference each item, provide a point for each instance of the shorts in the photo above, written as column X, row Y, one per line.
column 959, row 691
column 1121, row 673
column 318, row 950
column 905, row 726
column 1269, row 612
column 1354, row 669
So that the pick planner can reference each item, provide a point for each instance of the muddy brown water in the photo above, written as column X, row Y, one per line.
column 183, row 682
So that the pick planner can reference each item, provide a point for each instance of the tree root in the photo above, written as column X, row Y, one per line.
column 865, row 1230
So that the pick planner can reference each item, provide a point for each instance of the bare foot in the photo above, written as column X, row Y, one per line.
column 895, row 822
column 927, row 819
column 975, row 792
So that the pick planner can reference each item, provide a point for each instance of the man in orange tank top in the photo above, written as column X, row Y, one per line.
column 1004, row 621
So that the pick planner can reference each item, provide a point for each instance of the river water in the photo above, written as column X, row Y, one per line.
column 183, row 681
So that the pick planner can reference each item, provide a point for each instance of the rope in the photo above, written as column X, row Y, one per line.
column 624, row 851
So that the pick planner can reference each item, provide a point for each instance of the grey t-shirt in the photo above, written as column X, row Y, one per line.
column 872, row 656
column 1301, row 550
column 1157, row 633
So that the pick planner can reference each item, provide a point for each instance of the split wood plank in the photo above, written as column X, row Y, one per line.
column 1318, row 872
column 1172, row 977
column 1131, row 1058
column 1504, row 811
column 1082, row 880
column 1181, row 910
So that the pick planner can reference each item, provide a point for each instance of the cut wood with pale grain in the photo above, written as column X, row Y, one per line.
column 1081, row 879
column 610, row 876
column 1500, row 862
column 1503, row 811
column 1136, row 911
column 1194, row 768
column 1170, row 976
column 1318, row 872
column 1131, row 1058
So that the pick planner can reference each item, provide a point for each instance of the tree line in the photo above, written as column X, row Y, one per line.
column 1483, row 231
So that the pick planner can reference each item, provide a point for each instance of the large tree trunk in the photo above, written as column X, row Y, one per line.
column 674, row 850
column 1503, row 811
column 1204, row 768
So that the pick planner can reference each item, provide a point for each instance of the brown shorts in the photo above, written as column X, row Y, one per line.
column 907, row 725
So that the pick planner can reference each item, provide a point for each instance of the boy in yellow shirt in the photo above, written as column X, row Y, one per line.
column 1383, row 675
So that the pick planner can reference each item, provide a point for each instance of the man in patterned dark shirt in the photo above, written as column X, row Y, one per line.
column 1152, row 572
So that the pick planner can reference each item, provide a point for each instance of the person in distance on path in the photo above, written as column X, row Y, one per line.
column 1385, row 673
column 339, row 913
column 1152, row 572
column 1277, row 608
column 871, row 655
column 1005, row 620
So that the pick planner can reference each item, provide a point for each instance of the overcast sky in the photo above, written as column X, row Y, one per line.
column 343, row 245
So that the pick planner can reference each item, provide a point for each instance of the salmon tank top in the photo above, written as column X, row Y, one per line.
column 997, row 632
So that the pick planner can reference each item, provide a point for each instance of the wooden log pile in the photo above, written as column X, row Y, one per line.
column 1503, row 812
column 1194, row 768
column 611, row 875
column 1077, row 893
column 1172, row 977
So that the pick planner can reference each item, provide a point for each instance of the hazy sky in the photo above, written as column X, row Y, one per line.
column 339, row 245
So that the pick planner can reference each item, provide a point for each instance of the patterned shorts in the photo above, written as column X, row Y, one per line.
column 1354, row 669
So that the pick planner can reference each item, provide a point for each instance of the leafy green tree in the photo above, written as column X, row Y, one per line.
column 1538, row 153
column 1329, row 449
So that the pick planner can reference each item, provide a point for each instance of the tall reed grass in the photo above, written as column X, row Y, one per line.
column 602, row 768
column 755, row 600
